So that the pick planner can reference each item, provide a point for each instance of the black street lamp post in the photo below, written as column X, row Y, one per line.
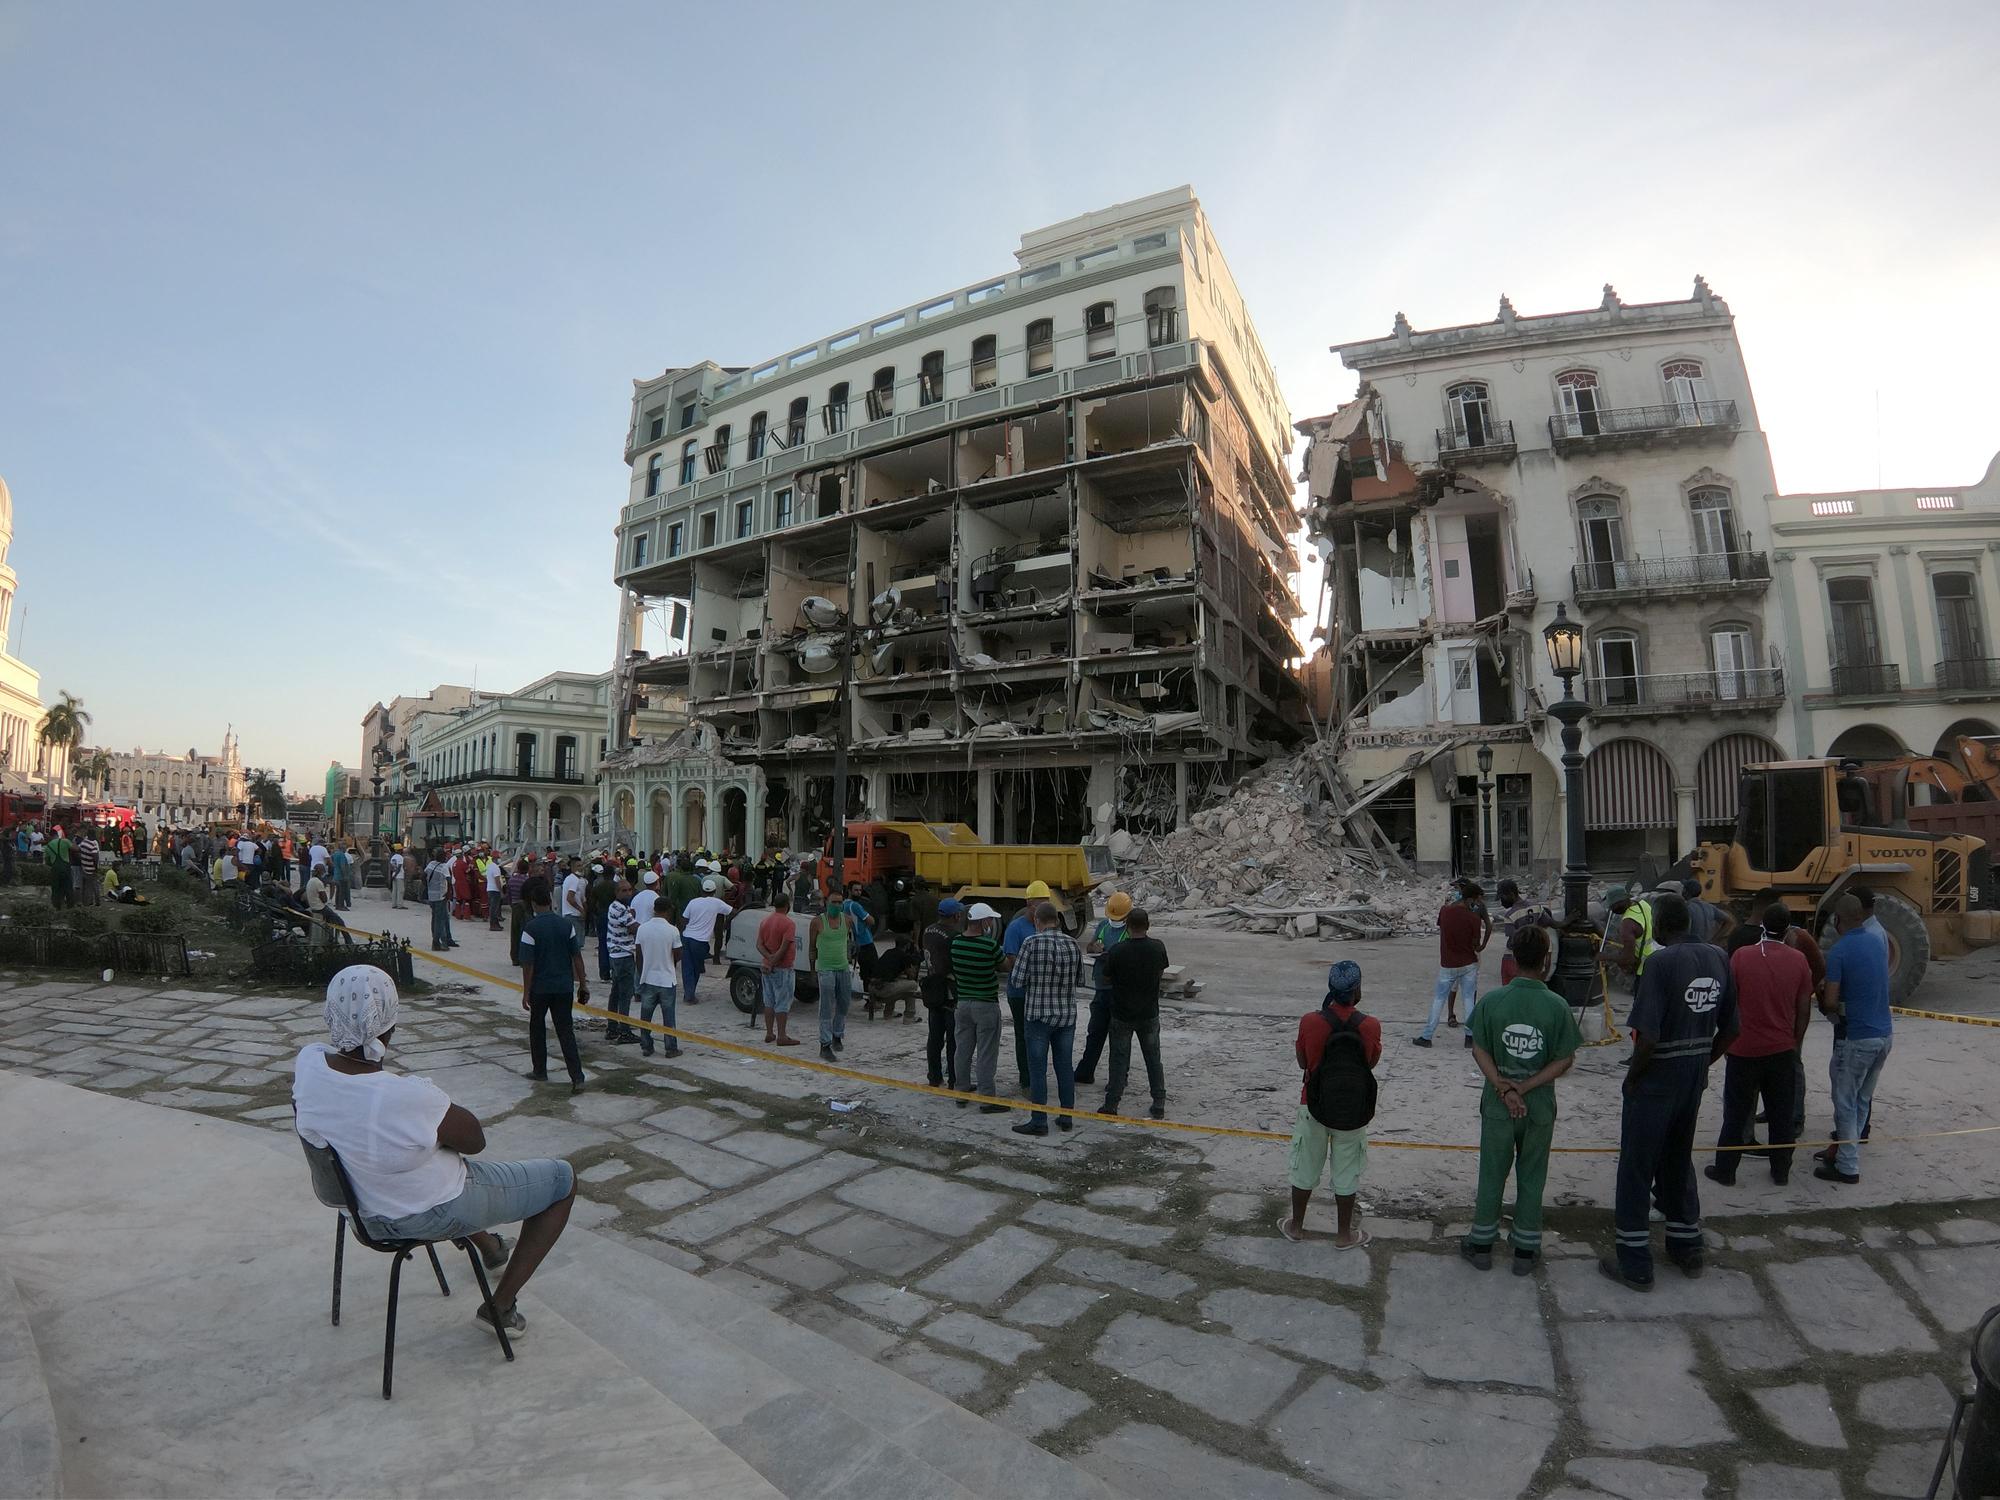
column 1486, row 814
column 1576, row 964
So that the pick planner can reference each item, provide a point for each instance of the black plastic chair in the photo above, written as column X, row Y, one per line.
column 332, row 1187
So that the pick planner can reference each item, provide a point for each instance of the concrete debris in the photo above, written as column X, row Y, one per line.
column 1270, row 856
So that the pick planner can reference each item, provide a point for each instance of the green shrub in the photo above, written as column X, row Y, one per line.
column 171, row 879
column 86, row 921
column 151, row 919
column 35, row 914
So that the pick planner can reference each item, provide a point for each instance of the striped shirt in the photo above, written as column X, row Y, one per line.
column 621, row 926
column 975, row 965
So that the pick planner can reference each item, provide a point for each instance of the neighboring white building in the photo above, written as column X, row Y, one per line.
column 385, row 728
column 1889, row 601
column 22, row 755
column 1608, row 460
column 176, row 791
column 521, row 767
column 1071, row 475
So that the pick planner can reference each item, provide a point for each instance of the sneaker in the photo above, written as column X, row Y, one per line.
column 1481, row 1256
column 1826, row 1173
column 1610, row 1269
column 1420, row 1041
column 1031, row 1128
column 825, row 1053
column 511, row 1319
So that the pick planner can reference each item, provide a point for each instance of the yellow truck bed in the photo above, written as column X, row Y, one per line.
column 951, row 857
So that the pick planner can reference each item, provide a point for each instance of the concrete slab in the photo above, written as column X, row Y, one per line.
column 1955, row 1285
column 524, row 1137
column 1053, row 1304
column 934, row 1203
column 1636, row 1387
column 1427, row 1329
column 892, row 1304
column 1803, row 1413
column 864, row 1339
column 975, row 1334
column 1225, row 1377
column 810, row 1216
column 992, row 1268
column 1074, row 1220
column 1128, row 1195
column 488, row 1089
column 1040, row 1406
column 1902, row 1470
column 1841, row 1304
column 1302, row 1326
column 711, row 1221
column 667, row 1193
column 1786, row 1482
column 1639, row 1479
column 879, row 1245
column 605, row 1170
column 1754, row 1345
column 1315, row 1258
column 1151, row 1461
column 770, row 1148
column 222, row 1293
column 1410, row 1442
column 704, row 1164
column 951, row 1377
column 593, row 1108
column 691, row 1121
column 1582, row 1292
column 1907, row 1404
column 1109, row 1268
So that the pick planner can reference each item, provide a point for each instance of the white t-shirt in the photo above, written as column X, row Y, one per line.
column 659, row 947
column 396, row 865
column 319, row 856
column 493, row 875
column 572, row 896
column 643, row 904
column 701, row 915
column 384, row 1125
column 246, row 853
column 316, row 897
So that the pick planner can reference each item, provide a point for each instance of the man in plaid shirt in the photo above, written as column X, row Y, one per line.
column 1049, row 967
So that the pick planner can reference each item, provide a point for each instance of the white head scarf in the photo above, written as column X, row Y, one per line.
column 360, row 1006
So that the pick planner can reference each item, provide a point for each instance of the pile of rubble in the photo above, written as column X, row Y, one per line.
column 1271, row 857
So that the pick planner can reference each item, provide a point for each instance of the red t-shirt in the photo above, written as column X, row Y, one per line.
column 1771, row 979
column 1458, row 936
column 1314, row 1030
column 777, row 932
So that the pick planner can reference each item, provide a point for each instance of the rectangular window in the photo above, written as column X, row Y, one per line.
column 676, row 538
column 745, row 518
column 930, row 379
column 656, row 424
column 1040, row 274
column 1146, row 242
column 639, row 550
column 935, row 309
column 706, row 530
column 985, row 366
column 1100, row 331
column 758, row 429
column 803, row 357
column 982, row 293
column 688, row 412
column 1041, row 346
column 781, row 507
column 833, row 416
column 763, row 372
column 1096, row 257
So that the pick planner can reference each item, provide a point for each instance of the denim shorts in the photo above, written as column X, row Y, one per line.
column 495, row 1192
column 780, row 988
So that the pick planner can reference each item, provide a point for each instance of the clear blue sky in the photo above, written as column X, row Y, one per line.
column 317, row 323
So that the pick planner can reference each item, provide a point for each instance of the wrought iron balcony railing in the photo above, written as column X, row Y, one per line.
column 1480, row 442
column 1642, row 574
column 1969, row 674
column 1588, row 428
column 1866, row 679
column 1747, row 687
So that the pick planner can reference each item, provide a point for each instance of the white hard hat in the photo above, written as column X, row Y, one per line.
column 649, row 878
column 711, row 885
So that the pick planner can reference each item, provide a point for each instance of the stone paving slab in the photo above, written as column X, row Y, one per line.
column 897, row 1306
column 878, row 1245
column 1786, row 1482
column 768, row 1147
column 1637, row 1387
column 1052, row 1304
column 991, row 1268
column 989, row 1340
column 1304, row 1326
column 1427, row 1326
column 1804, row 1413
column 1098, row 1226
column 1143, row 1460
column 1226, row 1377
column 1040, row 1406
column 1638, row 1479
column 1316, row 1258
column 1110, row 1268
column 712, row 1220
column 1906, row 1404
column 1719, row 1292
column 1843, row 1305
column 1424, row 1443
column 1955, row 1286
column 934, row 1203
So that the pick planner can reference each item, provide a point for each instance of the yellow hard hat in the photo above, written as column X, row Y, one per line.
column 1038, row 890
column 1118, row 906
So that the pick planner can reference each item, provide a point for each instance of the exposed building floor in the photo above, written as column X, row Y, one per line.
column 1120, row 1297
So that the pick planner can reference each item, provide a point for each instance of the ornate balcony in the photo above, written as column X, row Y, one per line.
column 1973, row 676
column 1491, row 443
column 1689, row 422
column 1867, row 680
column 1749, row 689
column 1653, row 577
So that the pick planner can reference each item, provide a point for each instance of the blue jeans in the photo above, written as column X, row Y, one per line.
column 1857, row 1064
column 694, row 958
column 658, row 997
column 495, row 1192
column 1466, row 981
column 836, row 993
column 441, row 924
column 624, row 980
column 1094, row 1037
column 1046, row 1042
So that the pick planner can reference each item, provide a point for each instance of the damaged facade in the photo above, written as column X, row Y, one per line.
column 1056, row 504
column 1609, row 460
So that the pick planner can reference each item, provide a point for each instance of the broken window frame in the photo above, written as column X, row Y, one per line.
column 833, row 415
column 930, row 378
column 1163, row 317
column 716, row 454
column 1100, row 331
column 882, row 394
column 1041, row 346
column 754, row 440
column 985, row 362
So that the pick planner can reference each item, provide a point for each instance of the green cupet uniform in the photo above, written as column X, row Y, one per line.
column 1523, row 1026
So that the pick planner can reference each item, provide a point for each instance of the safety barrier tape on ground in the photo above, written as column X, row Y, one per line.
column 1192, row 1127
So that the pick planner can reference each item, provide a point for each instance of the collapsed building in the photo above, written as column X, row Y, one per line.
column 1024, row 547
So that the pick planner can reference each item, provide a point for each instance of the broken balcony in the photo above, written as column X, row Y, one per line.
column 1134, row 420
column 1006, row 450
column 904, row 474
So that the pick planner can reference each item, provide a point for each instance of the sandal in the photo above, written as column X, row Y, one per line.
column 1362, row 1239
column 1285, row 1229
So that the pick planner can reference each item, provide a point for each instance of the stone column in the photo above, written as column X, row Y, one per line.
column 982, row 812
column 1103, row 794
column 1684, row 830
column 878, row 793
column 1180, row 793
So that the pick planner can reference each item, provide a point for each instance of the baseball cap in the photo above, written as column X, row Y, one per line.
column 951, row 906
column 649, row 878
column 981, row 912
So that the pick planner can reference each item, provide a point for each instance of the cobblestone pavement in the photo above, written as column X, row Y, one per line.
column 1127, row 1306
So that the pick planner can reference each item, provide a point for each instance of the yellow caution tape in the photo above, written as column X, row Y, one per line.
column 879, row 1080
column 1944, row 1015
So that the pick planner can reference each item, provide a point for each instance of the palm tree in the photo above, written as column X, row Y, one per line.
column 62, row 727
column 264, row 792
column 97, row 769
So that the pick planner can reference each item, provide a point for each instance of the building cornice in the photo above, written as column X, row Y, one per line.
column 1604, row 326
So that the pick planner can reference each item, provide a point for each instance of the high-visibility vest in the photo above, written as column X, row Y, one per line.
column 1642, row 913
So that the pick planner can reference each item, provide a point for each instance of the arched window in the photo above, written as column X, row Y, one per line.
column 795, row 423
column 1687, row 388
column 985, row 363
column 1618, row 670
column 930, row 378
column 1578, row 403
column 1163, row 317
column 755, row 441
column 1471, row 414
column 1712, row 513
column 1601, row 523
column 833, row 416
column 1100, row 330
column 687, row 461
column 716, row 455
column 653, row 474
column 882, row 394
column 1041, row 346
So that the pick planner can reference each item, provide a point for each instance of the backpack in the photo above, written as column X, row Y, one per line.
column 1340, row 1092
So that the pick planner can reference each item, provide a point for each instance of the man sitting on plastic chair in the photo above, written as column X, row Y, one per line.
column 405, row 1146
